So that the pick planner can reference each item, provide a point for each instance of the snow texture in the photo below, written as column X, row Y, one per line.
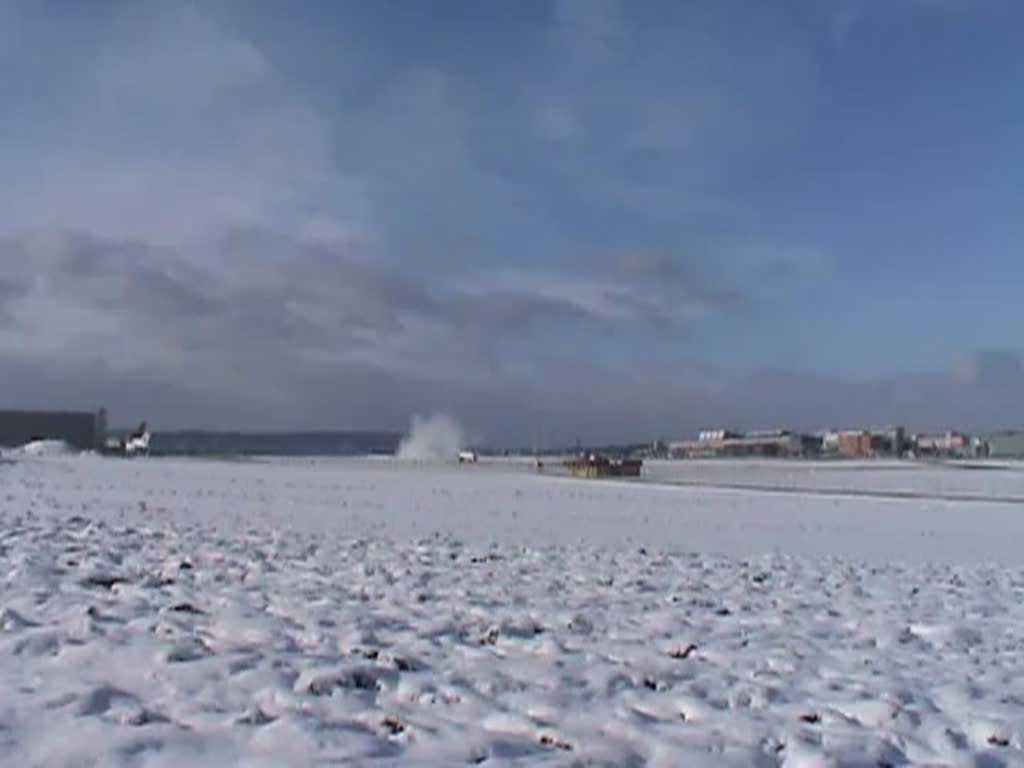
column 39, row 448
column 201, row 613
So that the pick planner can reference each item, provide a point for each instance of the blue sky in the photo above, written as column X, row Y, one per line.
column 612, row 219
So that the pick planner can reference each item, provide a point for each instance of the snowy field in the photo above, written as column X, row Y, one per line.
column 964, row 480
column 330, row 612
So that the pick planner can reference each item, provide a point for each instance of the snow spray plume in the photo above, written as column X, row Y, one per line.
column 432, row 438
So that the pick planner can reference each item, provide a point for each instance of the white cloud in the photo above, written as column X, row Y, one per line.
column 590, row 28
column 557, row 124
column 175, row 132
column 181, row 129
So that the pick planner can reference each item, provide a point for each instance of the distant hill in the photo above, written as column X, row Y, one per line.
column 211, row 443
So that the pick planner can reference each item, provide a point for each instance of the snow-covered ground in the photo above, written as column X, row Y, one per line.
column 202, row 613
column 989, row 479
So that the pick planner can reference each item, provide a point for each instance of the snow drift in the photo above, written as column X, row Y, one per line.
column 432, row 438
column 159, row 613
column 40, row 448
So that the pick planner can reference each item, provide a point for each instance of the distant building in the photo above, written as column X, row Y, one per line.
column 889, row 440
column 716, row 435
column 722, row 443
column 81, row 430
column 855, row 443
column 942, row 444
column 1006, row 445
column 861, row 443
column 848, row 442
